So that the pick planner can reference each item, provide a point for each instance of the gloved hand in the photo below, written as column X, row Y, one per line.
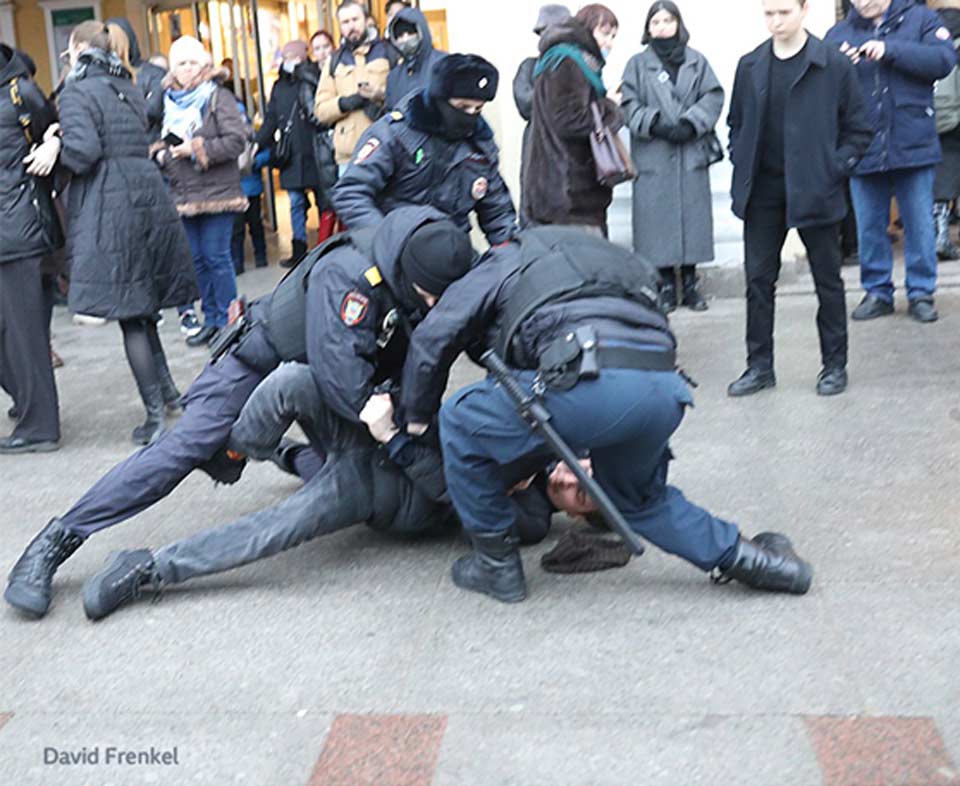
column 661, row 129
column 682, row 133
column 377, row 413
column 352, row 103
column 40, row 161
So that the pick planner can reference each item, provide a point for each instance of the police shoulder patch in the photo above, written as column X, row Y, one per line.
column 943, row 34
column 367, row 150
column 354, row 308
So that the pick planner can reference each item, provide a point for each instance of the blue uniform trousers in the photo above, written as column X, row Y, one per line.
column 624, row 418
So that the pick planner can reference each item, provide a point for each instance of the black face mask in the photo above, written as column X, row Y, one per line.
column 457, row 124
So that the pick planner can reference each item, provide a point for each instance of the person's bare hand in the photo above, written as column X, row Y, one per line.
column 369, row 92
column 377, row 414
column 873, row 50
column 850, row 51
column 183, row 150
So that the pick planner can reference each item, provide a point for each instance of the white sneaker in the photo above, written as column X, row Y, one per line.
column 86, row 319
column 189, row 324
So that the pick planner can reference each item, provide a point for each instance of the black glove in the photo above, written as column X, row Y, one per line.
column 661, row 129
column 352, row 103
column 682, row 133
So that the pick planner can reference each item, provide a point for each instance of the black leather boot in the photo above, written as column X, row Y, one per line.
column 29, row 583
column 946, row 250
column 494, row 568
column 692, row 298
column 768, row 562
column 168, row 388
column 299, row 252
column 121, row 581
column 668, row 292
column 153, row 426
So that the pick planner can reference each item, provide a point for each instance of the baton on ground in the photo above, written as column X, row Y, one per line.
column 533, row 411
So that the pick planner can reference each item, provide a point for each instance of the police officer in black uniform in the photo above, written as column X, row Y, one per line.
column 348, row 317
column 373, row 474
column 434, row 149
column 577, row 317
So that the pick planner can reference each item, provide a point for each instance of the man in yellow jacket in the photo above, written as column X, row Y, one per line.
column 352, row 88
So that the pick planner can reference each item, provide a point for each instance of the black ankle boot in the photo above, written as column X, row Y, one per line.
column 152, row 427
column 668, row 290
column 768, row 562
column 692, row 299
column 493, row 568
column 121, row 581
column 28, row 586
column 946, row 250
column 299, row 252
column 168, row 388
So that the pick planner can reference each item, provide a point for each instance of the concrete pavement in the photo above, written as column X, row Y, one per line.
column 354, row 660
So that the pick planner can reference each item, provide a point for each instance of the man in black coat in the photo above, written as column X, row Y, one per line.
column 798, row 127
column 25, row 370
column 285, row 116
column 346, row 310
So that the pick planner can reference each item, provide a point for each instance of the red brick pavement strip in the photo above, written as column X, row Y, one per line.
column 4, row 717
column 380, row 750
column 882, row 751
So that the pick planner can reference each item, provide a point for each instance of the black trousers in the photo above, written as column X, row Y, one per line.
column 25, row 370
column 764, row 232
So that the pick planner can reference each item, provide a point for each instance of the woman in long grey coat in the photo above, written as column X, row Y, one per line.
column 671, row 103
column 128, row 253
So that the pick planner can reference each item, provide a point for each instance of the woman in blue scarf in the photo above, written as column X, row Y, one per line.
column 202, row 135
column 560, row 181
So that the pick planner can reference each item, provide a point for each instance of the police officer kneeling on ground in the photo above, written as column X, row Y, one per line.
column 434, row 149
column 577, row 317
column 346, row 309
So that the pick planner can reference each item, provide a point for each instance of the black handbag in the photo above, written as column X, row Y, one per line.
column 714, row 148
column 41, row 189
column 283, row 141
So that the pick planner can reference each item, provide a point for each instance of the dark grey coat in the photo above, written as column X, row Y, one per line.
column 672, row 203
column 126, row 245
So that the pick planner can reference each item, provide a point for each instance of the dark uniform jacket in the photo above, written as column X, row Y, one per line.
column 411, row 74
column 20, row 233
column 468, row 317
column 899, row 89
column 301, row 170
column 401, row 160
column 126, row 245
column 826, row 130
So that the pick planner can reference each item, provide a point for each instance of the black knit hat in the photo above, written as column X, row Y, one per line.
column 464, row 76
column 436, row 255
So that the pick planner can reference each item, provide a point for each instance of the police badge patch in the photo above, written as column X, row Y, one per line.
column 479, row 189
column 367, row 150
column 354, row 308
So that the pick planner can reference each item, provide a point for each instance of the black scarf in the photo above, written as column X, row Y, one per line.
column 671, row 51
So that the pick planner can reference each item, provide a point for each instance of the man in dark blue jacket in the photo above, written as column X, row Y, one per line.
column 435, row 149
column 899, row 49
column 409, row 32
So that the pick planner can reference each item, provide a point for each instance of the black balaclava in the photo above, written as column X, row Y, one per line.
column 669, row 50
column 457, row 124
column 436, row 255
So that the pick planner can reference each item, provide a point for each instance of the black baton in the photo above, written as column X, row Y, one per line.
column 533, row 411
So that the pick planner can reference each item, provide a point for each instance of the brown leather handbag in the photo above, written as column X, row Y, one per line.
column 610, row 156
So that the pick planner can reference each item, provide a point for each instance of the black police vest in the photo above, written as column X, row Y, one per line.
column 565, row 263
column 286, row 307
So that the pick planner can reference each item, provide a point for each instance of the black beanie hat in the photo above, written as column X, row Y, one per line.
column 464, row 76
column 436, row 255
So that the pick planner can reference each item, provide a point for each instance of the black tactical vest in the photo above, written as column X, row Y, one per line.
column 286, row 307
column 566, row 263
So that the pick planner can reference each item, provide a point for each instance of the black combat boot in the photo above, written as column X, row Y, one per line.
column 692, row 298
column 768, row 562
column 668, row 292
column 946, row 250
column 121, row 581
column 171, row 396
column 153, row 426
column 299, row 252
column 494, row 568
column 28, row 586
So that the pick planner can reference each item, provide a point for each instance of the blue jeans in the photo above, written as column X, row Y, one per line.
column 624, row 418
column 298, row 214
column 871, row 196
column 209, row 237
